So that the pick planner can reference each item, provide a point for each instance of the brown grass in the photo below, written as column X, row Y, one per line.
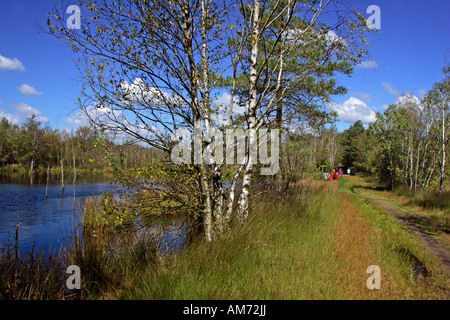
column 352, row 240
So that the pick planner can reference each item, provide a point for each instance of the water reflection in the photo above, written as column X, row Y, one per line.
column 170, row 233
column 48, row 213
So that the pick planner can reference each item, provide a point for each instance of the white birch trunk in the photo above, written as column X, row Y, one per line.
column 441, row 180
column 252, row 111
column 196, row 109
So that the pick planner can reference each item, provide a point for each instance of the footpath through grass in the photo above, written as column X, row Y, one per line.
column 425, row 207
column 314, row 242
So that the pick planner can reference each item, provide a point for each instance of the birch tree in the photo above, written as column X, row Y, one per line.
column 291, row 53
column 146, row 68
column 438, row 100
column 151, row 69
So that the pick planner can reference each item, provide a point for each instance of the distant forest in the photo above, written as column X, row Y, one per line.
column 32, row 147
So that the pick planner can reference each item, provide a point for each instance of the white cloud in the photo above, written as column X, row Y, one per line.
column 24, row 111
column 388, row 87
column 112, row 120
column 223, row 104
column 13, row 118
column 406, row 99
column 104, row 114
column 139, row 92
column 366, row 97
column 28, row 90
column 10, row 64
column 421, row 92
column 41, row 118
column 27, row 111
column 332, row 37
column 371, row 64
column 78, row 119
column 300, row 37
column 99, row 114
column 353, row 110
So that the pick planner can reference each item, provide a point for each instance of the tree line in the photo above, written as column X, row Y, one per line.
column 407, row 144
column 33, row 147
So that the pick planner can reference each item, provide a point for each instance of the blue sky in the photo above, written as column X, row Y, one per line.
column 38, row 75
column 407, row 55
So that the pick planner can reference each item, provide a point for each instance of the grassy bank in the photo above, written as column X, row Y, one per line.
column 409, row 265
column 425, row 207
column 108, row 248
column 35, row 276
column 15, row 169
column 426, row 202
column 314, row 242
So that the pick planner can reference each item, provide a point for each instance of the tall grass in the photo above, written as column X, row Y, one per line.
column 107, row 248
column 277, row 254
column 409, row 269
column 425, row 202
column 34, row 276
column 309, row 243
column 427, row 198
column 110, row 249
column 14, row 169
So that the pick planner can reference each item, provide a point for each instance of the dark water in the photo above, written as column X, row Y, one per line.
column 44, row 222
column 48, row 223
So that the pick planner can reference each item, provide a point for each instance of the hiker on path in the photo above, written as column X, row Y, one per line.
column 334, row 176
column 348, row 171
column 326, row 174
column 340, row 172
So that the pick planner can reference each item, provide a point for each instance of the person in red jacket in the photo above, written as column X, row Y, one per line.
column 334, row 176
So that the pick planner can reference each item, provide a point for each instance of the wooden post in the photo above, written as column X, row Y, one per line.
column 16, row 244
column 46, row 187
column 74, row 168
column 62, row 174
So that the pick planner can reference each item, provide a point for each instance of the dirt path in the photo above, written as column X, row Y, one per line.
column 418, row 230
